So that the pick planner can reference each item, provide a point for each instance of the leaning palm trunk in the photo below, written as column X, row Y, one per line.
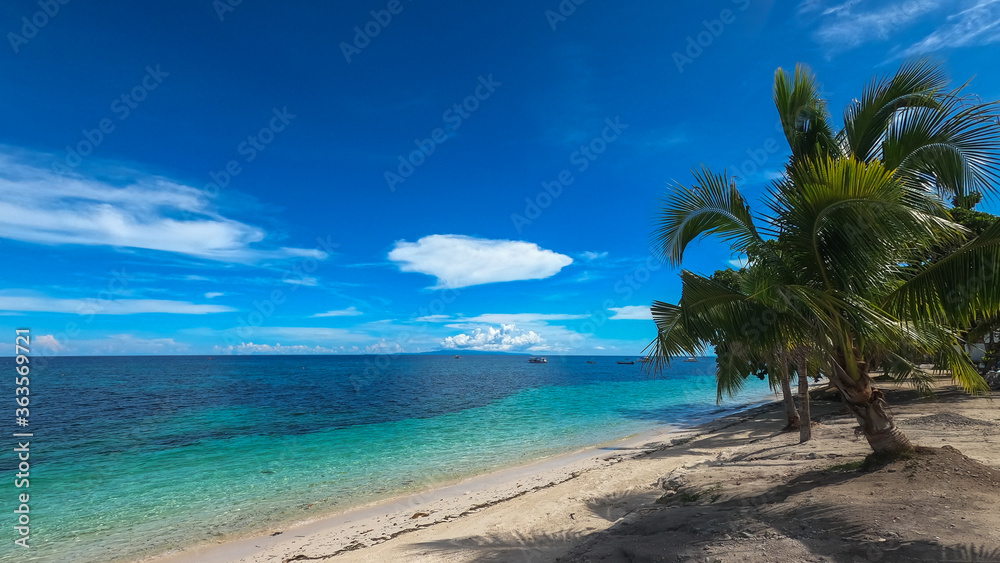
column 805, row 428
column 786, row 394
column 867, row 404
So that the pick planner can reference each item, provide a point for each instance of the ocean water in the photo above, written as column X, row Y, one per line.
column 137, row 455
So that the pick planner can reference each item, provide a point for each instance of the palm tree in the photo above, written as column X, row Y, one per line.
column 838, row 267
column 744, row 358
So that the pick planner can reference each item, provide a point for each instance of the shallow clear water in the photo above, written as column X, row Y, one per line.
column 134, row 455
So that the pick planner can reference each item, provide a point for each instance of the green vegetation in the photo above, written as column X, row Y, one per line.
column 857, row 259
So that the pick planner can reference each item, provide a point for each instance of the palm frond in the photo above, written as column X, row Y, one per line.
column 713, row 205
column 803, row 114
column 953, row 148
column 916, row 84
column 956, row 289
column 847, row 224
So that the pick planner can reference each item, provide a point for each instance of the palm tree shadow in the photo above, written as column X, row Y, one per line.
column 513, row 547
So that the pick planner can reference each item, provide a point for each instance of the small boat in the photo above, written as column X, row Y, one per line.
column 691, row 359
column 645, row 359
column 591, row 362
column 537, row 361
column 458, row 357
column 626, row 362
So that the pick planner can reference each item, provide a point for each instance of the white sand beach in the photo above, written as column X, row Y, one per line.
column 735, row 489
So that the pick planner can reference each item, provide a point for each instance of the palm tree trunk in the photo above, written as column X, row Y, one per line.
column 868, row 405
column 805, row 428
column 786, row 394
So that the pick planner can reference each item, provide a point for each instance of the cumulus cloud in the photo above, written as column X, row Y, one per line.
column 40, row 304
column 38, row 205
column 631, row 312
column 460, row 261
column 491, row 339
column 47, row 344
column 348, row 312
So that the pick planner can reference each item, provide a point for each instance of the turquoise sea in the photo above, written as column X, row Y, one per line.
column 137, row 455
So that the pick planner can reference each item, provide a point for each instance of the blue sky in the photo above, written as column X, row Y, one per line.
column 385, row 176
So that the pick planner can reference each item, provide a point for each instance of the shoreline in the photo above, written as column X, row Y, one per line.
column 378, row 522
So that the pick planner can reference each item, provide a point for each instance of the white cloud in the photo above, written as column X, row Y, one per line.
column 38, row 205
column 739, row 263
column 461, row 261
column 846, row 26
column 434, row 319
column 957, row 23
column 978, row 24
column 46, row 343
column 631, row 312
column 123, row 345
column 213, row 294
column 384, row 347
column 502, row 318
column 312, row 334
column 348, row 312
column 38, row 304
column 503, row 339
column 245, row 348
column 591, row 256
column 306, row 281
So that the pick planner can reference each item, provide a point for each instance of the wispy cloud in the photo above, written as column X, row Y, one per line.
column 348, row 312
column 957, row 23
column 461, row 261
column 142, row 211
column 978, row 24
column 502, row 318
column 845, row 26
column 213, row 294
column 113, row 345
column 590, row 256
column 631, row 312
column 10, row 301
